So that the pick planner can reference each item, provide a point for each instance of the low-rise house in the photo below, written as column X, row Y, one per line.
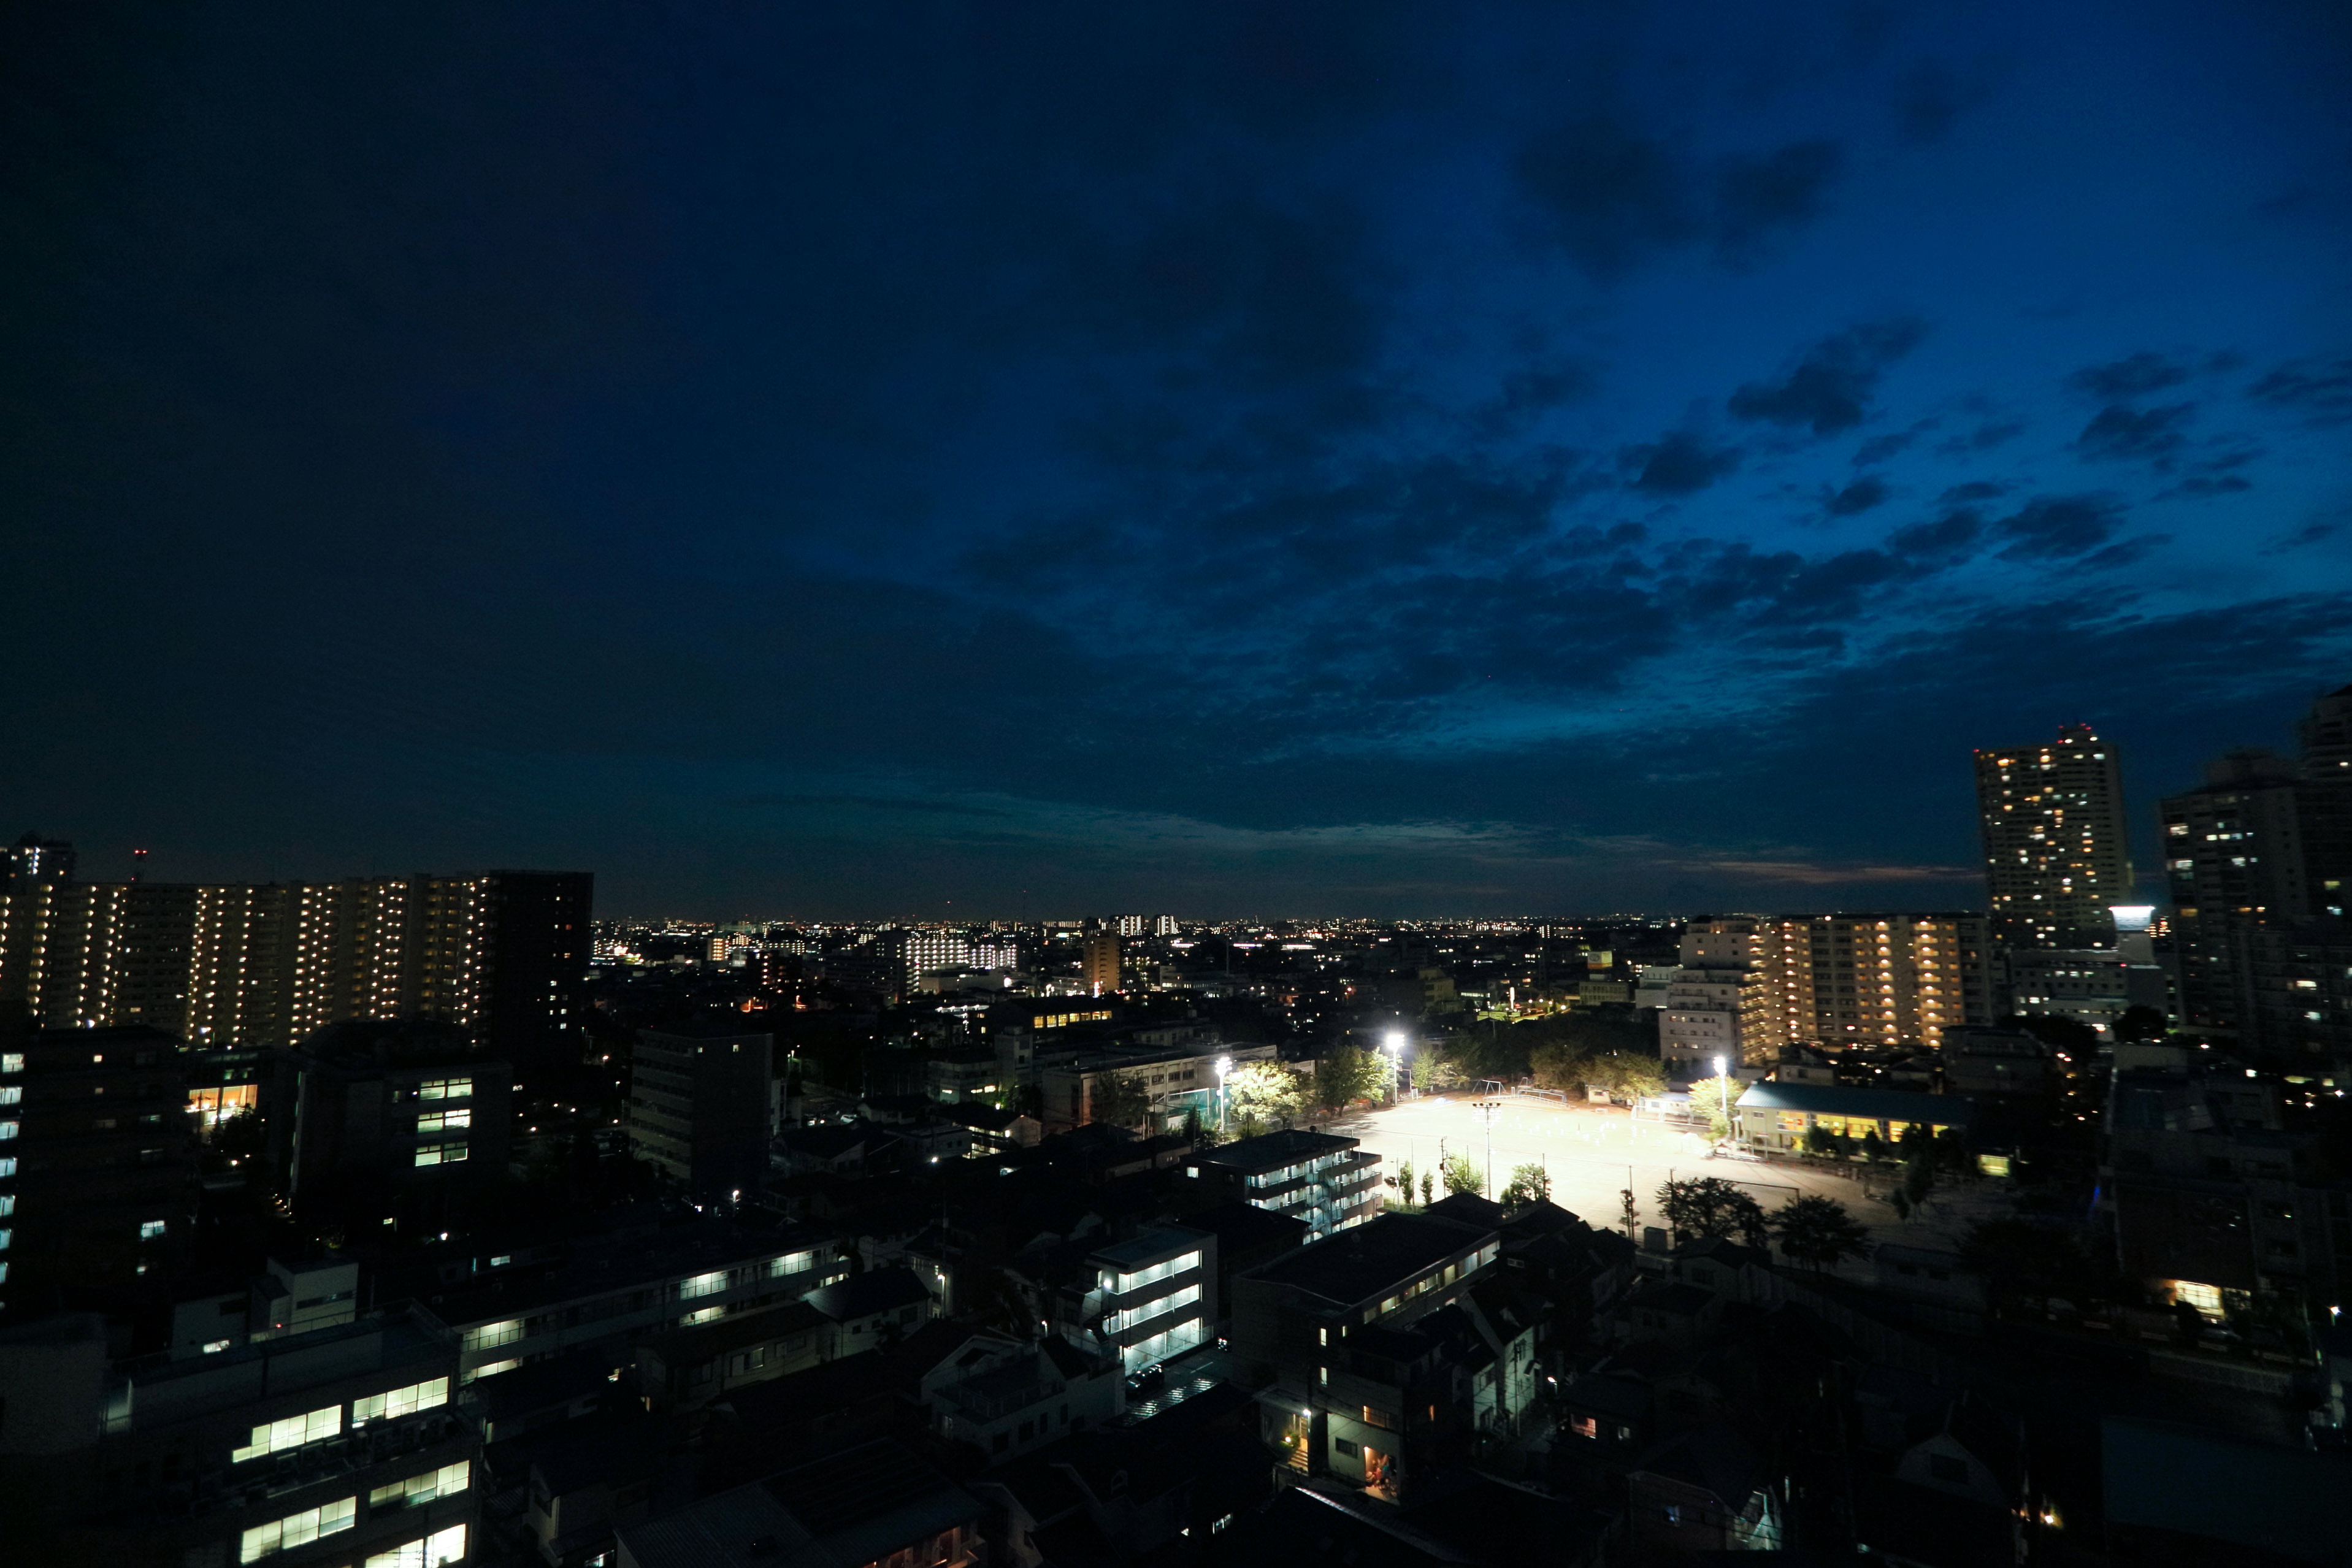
column 689, row 1367
column 871, row 1311
column 874, row 1503
column 1706, row 1489
column 1356, row 1389
column 1005, row 1397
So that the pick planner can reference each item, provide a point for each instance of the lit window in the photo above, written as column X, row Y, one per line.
column 394, row 1403
column 443, row 1121
column 445, row 1089
column 490, row 1336
column 150, row 1229
column 7, row 1129
column 490, row 1369
column 12, row 1062
column 298, row 1529
column 446, row 1482
column 12, row 1093
column 292, row 1432
column 442, row 1546
column 440, row 1153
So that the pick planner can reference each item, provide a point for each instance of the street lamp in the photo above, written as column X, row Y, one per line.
column 1722, row 1081
column 1395, row 1043
column 1224, row 1065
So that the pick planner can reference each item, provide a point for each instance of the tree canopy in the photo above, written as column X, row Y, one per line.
column 1818, row 1231
column 1528, row 1184
column 1711, row 1208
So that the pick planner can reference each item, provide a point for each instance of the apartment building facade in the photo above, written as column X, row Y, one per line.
column 1322, row 1179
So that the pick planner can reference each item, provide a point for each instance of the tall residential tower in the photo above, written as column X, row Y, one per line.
column 2056, row 853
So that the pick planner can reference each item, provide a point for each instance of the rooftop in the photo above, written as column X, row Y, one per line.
column 1274, row 1150
column 700, row 1245
column 1369, row 1262
column 1148, row 1248
column 862, row 1295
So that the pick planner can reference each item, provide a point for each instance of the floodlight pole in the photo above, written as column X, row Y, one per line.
column 1224, row 1065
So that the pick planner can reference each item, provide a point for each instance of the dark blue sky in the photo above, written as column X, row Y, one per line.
column 1315, row 458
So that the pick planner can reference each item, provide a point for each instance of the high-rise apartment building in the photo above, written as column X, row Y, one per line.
column 698, row 1103
column 1098, row 965
column 2258, row 861
column 1750, row 984
column 1129, row 925
column 1165, row 925
column 98, row 1171
column 2056, row 853
column 501, row 954
column 33, row 859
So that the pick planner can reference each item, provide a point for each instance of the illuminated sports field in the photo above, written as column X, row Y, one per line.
column 1589, row 1152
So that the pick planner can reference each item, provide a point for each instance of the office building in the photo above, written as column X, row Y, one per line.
column 97, row 1165
column 1325, row 1181
column 33, row 859
column 1098, row 965
column 502, row 955
column 700, row 1106
column 338, row 1446
column 2056, row 853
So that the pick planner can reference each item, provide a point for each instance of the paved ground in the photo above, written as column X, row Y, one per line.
column 1591, row 1153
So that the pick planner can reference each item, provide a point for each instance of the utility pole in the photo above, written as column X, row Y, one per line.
column 1487, row 1109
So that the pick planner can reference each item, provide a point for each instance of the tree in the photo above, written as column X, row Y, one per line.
column 1629, row 1075
column 1432, row 1068
column 1820, row 1140
column 1263, row 1093
column 1404, row 1183
column 239, row 1136
column 1343, row 1074
column 1528, row 1184
column 1556, row 1064
column 2141, row 1023
column 1428, row 1188
column 2068, row 1036
column 1461, row 1176
column 1711, row 1208
column 1818, row 1231
column 1874, row 1147
column 1194, row 1133
column 1711, row 1097
column 1121, row 1099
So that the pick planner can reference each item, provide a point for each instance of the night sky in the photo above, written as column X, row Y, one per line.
column 1034, row 459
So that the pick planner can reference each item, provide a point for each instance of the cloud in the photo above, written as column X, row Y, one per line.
column 2049, row 527
column 2304, row 537
column 1613, row 193
column 1680, row 463
column 2118, row 435
column 2128, row 552
column 1987, row 435
column 1933, row 97
column 2319, row 389
column 1855, row 499
column 1829, row 388
column 2135, row 375
column 1940, row 542
column 1820, row 873
column 1879, row 448
column 1974, row 490
column 1759, row 199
